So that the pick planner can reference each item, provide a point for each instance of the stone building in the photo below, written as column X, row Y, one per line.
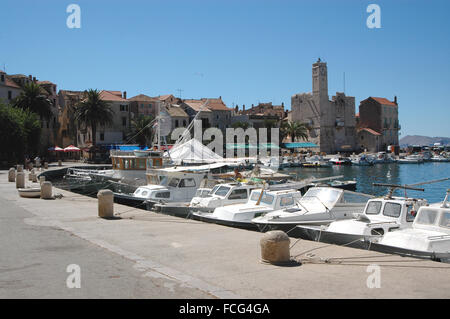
column 117, row 131
column 213, row 114
column 8, row 88
column 67, row 132
column 143, row 105
column 378, row 125
column 331, row 122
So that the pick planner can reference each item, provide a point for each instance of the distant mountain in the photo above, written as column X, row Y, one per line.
column 423, row 140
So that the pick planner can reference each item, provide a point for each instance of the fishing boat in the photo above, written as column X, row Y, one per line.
column 440, row 158
column 380, row 216
column 411, row 159
column 32, row 192
column 429, row 236
column 340, row 161
column 383, row 158
column 318, row 206
column 260, row 202
column 223, row 195
column 362, row 161
column 166, row 185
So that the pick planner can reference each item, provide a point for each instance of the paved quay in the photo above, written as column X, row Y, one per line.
column 189, row 259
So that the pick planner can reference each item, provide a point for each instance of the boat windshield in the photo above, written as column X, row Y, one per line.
column 445, row 220
column 213, row 190
column 222, row 191
column 327, row 196
column 426, row 216
column 266, row 198
column 373, row 208
column 174, row 182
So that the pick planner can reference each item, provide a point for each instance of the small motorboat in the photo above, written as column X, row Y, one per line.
column 411, row 159
column 32, row 192
column 362, row 161
column 381, row 215
column 340, row 161
column 429, row 237
column 259, row 203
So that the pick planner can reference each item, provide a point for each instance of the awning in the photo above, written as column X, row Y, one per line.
column 55, row 149
column 300, row 145
column 71, row 148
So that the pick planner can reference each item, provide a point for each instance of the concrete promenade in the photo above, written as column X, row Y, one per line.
column 203, row 260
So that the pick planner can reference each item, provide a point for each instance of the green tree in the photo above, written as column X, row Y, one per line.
column 19, row 134
column 92, row 112
column 141, row 130
column 34, row 99
column 243, row 125
column 295, row 130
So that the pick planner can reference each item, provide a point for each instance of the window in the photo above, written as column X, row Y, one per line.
column 124, row 108
column 445, row 220
column 142, row 106
column 162, row 195
column 287, row 201
column 222, row 191
column 174, row 182
column 176, row 123
column 9, row 95
column 184, row 123
column 238, row 194
column 426, row 217
column 124, row 121
column 373, row 208
column 102, row 136
column 409, row 217
column 3, row 78
column 187, row 182
column 392, row 209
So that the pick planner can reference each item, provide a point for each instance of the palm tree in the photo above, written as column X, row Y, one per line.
column 33, row 99
column 295, row 130
column 141, row 130
column 93, row 111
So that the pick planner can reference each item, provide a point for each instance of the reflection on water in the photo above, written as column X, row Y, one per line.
column 388, row 173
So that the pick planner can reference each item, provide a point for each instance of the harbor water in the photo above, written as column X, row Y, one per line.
column 390, row 174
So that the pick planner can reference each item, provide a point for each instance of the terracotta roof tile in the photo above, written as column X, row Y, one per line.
column 11, row 83
column 111, row 96
column 176, row 111
column 383, row 101
column 142, row 97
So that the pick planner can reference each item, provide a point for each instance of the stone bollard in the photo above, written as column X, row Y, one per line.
column 20, row 180
column 41, row 179
column 275, row 247
column 46, row 190
column 105, row 203
column 34, row 178
column 30, row 175
column 12, row 175
column 19, row 168
column 59, row 163
column 46, row 165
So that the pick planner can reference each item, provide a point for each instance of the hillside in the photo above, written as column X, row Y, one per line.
column 423, row 140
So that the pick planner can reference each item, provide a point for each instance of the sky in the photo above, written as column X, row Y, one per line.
column 245, row 51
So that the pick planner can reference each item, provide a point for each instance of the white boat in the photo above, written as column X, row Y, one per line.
column 33, row 192
column 381, row 215
column 362, row 161
column 319, row 206
column 340, row 161
column 383, row 158
column 222, row 195
column 170, row 184
column 429, row 236
column 260, row 202
column 440, row 158
column 411, row 159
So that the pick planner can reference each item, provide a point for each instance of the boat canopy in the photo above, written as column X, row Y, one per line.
column 300, row 145
column 193, row 151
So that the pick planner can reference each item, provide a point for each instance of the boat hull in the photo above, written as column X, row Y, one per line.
column 442, row 257
column 174, row 209
column 129, row 200
column 209, row 219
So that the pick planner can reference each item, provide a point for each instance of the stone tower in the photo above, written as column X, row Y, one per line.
column 320, row 80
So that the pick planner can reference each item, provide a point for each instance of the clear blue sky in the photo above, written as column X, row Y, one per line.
column 245, row 51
